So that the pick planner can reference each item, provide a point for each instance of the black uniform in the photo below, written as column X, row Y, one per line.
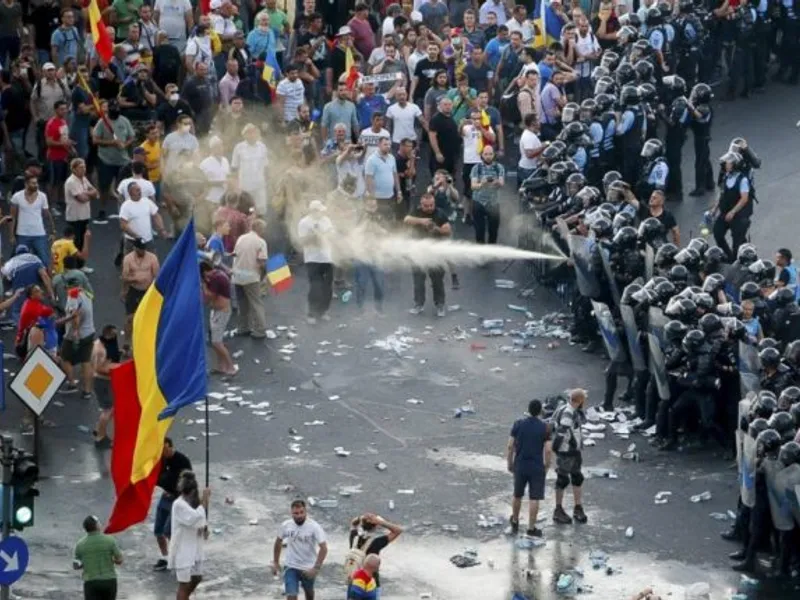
column 733, row 185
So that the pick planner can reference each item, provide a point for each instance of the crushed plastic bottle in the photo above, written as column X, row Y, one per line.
column 505, row 284
column 662, row 497
column 346, row 295
column 492, row 323
column 450, row 528
column 703, row 497
column 719, row 516
column 517, row 308
column 629, row 532
column 528, row 543
column 327, row 503
column 391, row 504
column 564, row 583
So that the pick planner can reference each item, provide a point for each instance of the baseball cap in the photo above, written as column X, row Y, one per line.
column 48, row 65
column 139, row 243
column 345, row 30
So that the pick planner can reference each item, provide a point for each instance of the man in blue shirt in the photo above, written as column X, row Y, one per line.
column 528, row 456
column 383, row 181
column 495, row 47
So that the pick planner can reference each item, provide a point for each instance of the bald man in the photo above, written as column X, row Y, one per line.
column 567, row 444
column 362, row 581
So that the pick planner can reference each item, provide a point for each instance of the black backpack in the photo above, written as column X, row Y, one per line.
column 509, row 108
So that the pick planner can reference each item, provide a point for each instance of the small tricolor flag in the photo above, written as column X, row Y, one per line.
column 278, row 273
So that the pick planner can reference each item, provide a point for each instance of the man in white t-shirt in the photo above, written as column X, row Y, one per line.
column 306, row 549
column 312, row 233
column 371, row 136
column 290, row 93
column 217, row 171
column 137, row 215
column 174, row 17
column 249, row 160
column 587, row 51
column 29, row 209
column 147, row 189
column 403, row 115
column 530, row 147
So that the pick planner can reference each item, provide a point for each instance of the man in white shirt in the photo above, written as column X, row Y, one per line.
column 249, row 266
column 217, row 171
column 519, row 22
column 371, row 136
column 147, row 189
column 587, row 50
column 302, row 561
column 290, row 93
column 530, row 147
column 403, row 117
column 497, row 7
column 137, row 215
column 29, row 209
column 249, row 161
column 174, row 17
column 312, row 233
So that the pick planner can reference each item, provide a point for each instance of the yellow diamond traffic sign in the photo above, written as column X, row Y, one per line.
column 38, row 380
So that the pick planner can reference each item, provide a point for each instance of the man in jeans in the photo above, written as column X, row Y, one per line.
column 96, row 556
column 488, row 178
column 306, row 549
column 312, row 231
column 427, row 221
column 173, row 463
column 374, row 225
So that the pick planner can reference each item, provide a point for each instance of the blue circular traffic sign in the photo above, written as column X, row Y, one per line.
column 13, row 560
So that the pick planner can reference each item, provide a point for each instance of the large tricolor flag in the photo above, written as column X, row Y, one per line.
column 548, row 24
column 168, row 371
column 102, row 41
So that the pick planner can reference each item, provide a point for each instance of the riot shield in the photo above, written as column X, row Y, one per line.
column 612, row 283
column 649, row 261
column 779, row 506
column 632, row 334
column 611, row 337
column 657, row 367
column 563, row 230
column 744, row 409
column 735, row 277
column 789, row 481
column 747, row 478
column 656, row 320
column 580, row 252
column 749, row 368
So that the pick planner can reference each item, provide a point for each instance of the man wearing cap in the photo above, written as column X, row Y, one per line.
column 138, row 97
column 217, row 171
column 338, row 63
column 312, row 232
column 47, row 91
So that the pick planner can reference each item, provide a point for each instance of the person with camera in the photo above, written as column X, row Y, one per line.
column 138, row 96
column 189, row 532
column 488, row 178
column 475, row 134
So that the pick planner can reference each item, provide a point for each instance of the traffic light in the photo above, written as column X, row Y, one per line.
column 24, row 476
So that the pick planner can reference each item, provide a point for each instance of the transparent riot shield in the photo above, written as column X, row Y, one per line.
column 635, row 349
column 749, row 368
column 580, row 252
column 611, row 337
column 779, row 506
column 747, row 480
column 612, row 283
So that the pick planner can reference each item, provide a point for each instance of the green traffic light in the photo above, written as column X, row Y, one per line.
column 24, row 515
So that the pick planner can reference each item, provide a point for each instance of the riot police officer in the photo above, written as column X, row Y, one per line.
column 786, row 317
column 657, row 38
column 763, row 43
column 608, row 122
column 790, row 42
column 733, row 207
column 688, row 39
column 776, row 376
column 630, row 129
column 743, row 66
column 702, row 116
column 674, row 360
column 677, row 118
column 655, row 171
column 574, row 135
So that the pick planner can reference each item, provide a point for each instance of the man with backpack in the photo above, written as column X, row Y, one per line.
column 365, row 540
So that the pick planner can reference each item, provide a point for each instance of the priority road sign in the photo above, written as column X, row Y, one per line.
column 13, row 559
column 38, row 380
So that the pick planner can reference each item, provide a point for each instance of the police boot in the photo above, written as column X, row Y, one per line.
column 670, row 444
column 561, row 517
column 747, row 564
column 592, row 347
column 697, row 192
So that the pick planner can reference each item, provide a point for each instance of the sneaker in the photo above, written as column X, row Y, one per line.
column 101, row 218
column 560, row 517
column 455, row 284
column 417, row 310
column 535, row 532
column 514, row 525
column 440, row 311
column 311, row 320
column 68, row 388
column 579, row 515
column 161, row 565
column 87, row 395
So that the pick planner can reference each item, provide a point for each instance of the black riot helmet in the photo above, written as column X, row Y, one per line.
column 652, row 148
column 608, row 209
column 654, row 281
column 632, row 20
column 736, row 329
column 598, row 73
column 574, row 131
column 713, row 283
column 765, row 405
column 767, row 270
column 665, row 255
column 609, row 60
column 644, row 70
column 588, row 109
column 782, row 422
column 570, row 113
column 730, row 309
column 792, row 354
column 794, row 410
column 665, row 9
column 650, row 230
column 609, row 178
column 604, row 102
column 625, row 238
column 686, row 6
column 713, row 258
column 741, row 146
column 665, row 290
column 767, row 342
column 653, row 17
column 789, row 454
column 625, row 76
column 627, row 35
column 629, row 95
column 683, row 309
column 553, row 153
column 770, row 357
column 784, row 297
column 647, row 92
column 701, row 94
column 693, row 341
column 789, row 396
column 675, row 84
column 757, row 426
column 628, row 294
column 588, row 196
column 689, row 258
column 621, row 220
column 675, row 331
column 601, row 227
column 575, row 183
column 679, row 275
column 616, row 191
column 710, row 323
column 604, row 85
column 749, row 291
column 640, row 49
column 558, row 173
column 699, row 244
column 704, row 301
column 768, row 444
column 734, row 159
column 746, row 255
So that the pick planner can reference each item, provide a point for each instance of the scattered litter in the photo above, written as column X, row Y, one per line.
column 493, row 323
column 398, row 342
column 348, row 490
column 292, row 388
column 517, row 308
column 631, row 447
column 594, row 427
column 453, row 307
column 492, row 521
column 58, row 403
column 340, row 451
column 747, row 584
column 425, row 596
column 225, row 477
column 598, row 558
column 528, row 543
column 600, row 472
column 190, row 438
column 229, row 500
column 731, row 515
column 406, row 492
column 313, row 423
column 475, row 347
column 415, row 401
column 83, row 428
column 704, row 497
column 551, row 325
column 588, row 443
column 615, row 453
column 391, row 504
column 505, row 284
column 698, row 591
column 381, row 466
column 662, row 497
column 565, row 583
column 592, row 416
column 333, row 398
column 217, row 396
column 271, row 335
column 451, row 528
column 596, row 436
column 237, row 354
column 496, row 370
column 469, row 558
column 295, row 448
column 629, row 532
column 719, row 516
column 253, row 522
column 327, row 503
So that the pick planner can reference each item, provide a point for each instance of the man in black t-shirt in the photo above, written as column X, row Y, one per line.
column 363, row 535
column 444, row 138
column 655, row 208
column 173, row 463
column 427, row 221
column 424, row 73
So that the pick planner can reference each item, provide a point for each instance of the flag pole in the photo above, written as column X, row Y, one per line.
column 208, row 444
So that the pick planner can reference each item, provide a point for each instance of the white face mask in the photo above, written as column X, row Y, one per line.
column 174, row 98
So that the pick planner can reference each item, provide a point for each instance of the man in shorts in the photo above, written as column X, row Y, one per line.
column 528, row 455
column 217, row 295
column 105, row 356
column 139, row 270
column 173, row 463
column 567, row 444
column 76, row 349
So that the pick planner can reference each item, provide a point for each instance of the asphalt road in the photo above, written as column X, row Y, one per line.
column 336, row 375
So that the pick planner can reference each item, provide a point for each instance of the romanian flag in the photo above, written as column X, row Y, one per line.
column 350, row 68
column 548, row 25
column 168, row 371
column 271, row 72
column 278, row 273
column 102, row 41
column 485, row 123
column 362, row 586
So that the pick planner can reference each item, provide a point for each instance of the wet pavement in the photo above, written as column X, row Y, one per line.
column 390, row 395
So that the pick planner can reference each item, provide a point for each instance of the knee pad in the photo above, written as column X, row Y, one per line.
column 562, row 481
column 577, row 479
